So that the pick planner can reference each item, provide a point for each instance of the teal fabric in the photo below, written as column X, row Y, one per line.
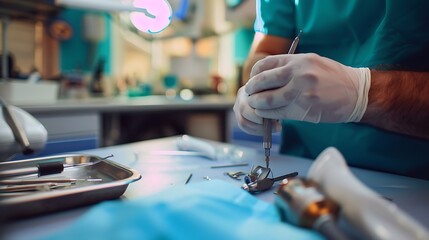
column 383, row 34
column 242, row 42
column 362, row 146
column 380, row 34
column 206, row 210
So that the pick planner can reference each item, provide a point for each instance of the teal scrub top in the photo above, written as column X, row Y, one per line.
column 387, row 35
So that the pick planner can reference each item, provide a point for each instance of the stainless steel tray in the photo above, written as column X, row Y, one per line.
column 114, row 181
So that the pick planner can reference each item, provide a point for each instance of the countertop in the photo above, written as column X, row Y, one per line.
column 160, row 170
column 123, row 103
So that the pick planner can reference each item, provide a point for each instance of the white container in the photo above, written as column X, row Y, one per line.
column 21, row 92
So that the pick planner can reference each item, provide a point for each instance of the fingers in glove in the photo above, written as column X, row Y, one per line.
column 247, row 120
column 268, row 63
column 275, row 98
column 250, row 127
column 293, row 112
column 244, row 123
column 269, row 79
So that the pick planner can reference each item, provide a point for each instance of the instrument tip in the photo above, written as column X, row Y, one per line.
column 267, row 161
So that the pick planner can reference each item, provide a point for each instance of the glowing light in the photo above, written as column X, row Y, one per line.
column 155, row 19
column 186, row 94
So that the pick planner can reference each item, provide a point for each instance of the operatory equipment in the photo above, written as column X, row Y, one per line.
column 267, row 138
column 19, row 132
column 329, row 185
column 33, row 186
column 303, row 205
column 42, row 169
column 258, row 181
column 147, row 16
column 93, row 177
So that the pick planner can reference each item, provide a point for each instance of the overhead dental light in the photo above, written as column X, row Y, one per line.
column 157, row 17
column 150, row 16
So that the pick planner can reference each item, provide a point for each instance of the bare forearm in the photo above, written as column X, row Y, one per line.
column 262, row 46
column 399, row 102
column 247, row 68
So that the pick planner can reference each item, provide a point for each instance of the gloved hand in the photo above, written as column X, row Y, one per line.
column 246, row 116
column 304, row 87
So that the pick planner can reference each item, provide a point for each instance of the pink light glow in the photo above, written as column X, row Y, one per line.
column 161, row 11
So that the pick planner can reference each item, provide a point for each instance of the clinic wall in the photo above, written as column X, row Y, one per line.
column 75, row 52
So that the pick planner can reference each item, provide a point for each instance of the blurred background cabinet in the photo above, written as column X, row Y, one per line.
column 25, row 31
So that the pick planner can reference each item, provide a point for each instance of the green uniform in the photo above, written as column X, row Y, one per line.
column 388, row 35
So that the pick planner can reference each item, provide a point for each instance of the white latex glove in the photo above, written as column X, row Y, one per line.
column 304, row 87
column 246, row 116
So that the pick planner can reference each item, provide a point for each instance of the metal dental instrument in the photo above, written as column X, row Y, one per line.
column 188, row 179
column 295, row 43
column 53, row 180
column 267, row 123
column 43, row 169
column 235, row 175
column 230, row 165
column 267, row 142
column 263, row 184
column 33, row 187
column 257, row 173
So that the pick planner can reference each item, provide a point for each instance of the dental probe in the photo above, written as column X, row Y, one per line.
column 267, row 123
column 53, row 180
column 42, row 169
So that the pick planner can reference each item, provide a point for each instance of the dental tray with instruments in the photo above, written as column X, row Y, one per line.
column 41, row 185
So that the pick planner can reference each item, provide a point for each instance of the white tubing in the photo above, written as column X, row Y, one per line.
column 188, row 143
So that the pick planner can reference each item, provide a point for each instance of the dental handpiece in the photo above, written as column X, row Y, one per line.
column 301, row 203
column 267, row 123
